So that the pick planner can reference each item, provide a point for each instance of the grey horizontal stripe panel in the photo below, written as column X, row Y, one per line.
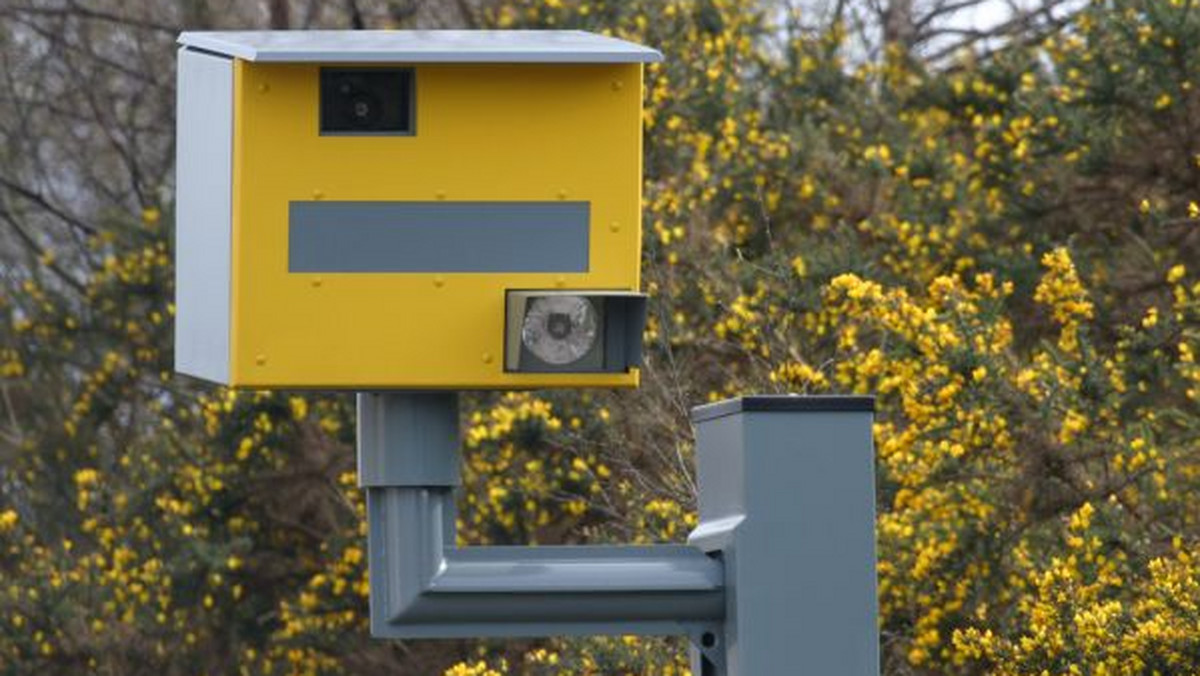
column 438, row 236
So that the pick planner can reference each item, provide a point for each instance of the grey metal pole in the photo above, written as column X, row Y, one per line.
column 779, row 576
column 787, row 500
column 423, row 586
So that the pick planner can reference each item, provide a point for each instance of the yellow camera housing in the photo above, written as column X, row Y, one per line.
column 354, row 206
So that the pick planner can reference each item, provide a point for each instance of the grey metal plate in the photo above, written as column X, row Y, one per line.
column 787, row 495
column 438, row 236
column 433, row 46
column 203, row 221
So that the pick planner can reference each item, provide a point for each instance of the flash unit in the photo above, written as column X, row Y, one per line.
column 574, row 331
column 559, row 330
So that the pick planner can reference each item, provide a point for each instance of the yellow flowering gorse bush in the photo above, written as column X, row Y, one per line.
column 1004, row 249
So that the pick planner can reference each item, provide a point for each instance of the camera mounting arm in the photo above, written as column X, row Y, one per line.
column 423, row 585
column 779, row 572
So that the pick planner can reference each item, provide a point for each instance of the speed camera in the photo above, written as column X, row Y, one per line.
column 395, row 209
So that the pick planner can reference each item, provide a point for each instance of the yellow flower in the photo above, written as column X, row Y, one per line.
column 1063, row 292
column 1073, row 423
column 880, row 153
column 299, row 408
column 86, row 477
column 1151, row 318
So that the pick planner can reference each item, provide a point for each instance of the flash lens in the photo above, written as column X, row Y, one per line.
column 559, row 330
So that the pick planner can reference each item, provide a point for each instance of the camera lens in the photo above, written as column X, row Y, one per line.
column 558, row 325
column 366, row 100
column 363, row 110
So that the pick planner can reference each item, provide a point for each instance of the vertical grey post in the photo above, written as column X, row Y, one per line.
column 408, row 456
column 408, row 439
column 787, row 499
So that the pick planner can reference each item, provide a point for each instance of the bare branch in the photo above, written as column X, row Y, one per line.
column 946, row 9
column 1025, row 26
column 36, row 249
column 77, row 11
column 38, row 199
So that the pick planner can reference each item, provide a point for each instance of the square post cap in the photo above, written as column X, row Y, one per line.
column 784, row 403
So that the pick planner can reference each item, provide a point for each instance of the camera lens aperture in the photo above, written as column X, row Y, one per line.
column 366, row 100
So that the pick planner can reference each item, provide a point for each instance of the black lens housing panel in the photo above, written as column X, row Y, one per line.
column 367, row 102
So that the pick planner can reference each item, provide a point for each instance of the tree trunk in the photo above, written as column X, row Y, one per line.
column 279, row 14
column 899, row 24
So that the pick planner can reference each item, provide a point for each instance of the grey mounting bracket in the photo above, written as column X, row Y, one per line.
column 780, row 568
column 707, row 649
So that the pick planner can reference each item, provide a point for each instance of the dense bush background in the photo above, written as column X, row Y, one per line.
column 997, row 233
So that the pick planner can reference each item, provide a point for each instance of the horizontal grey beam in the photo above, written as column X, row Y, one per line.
column 422, row 586
column 577, row 569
